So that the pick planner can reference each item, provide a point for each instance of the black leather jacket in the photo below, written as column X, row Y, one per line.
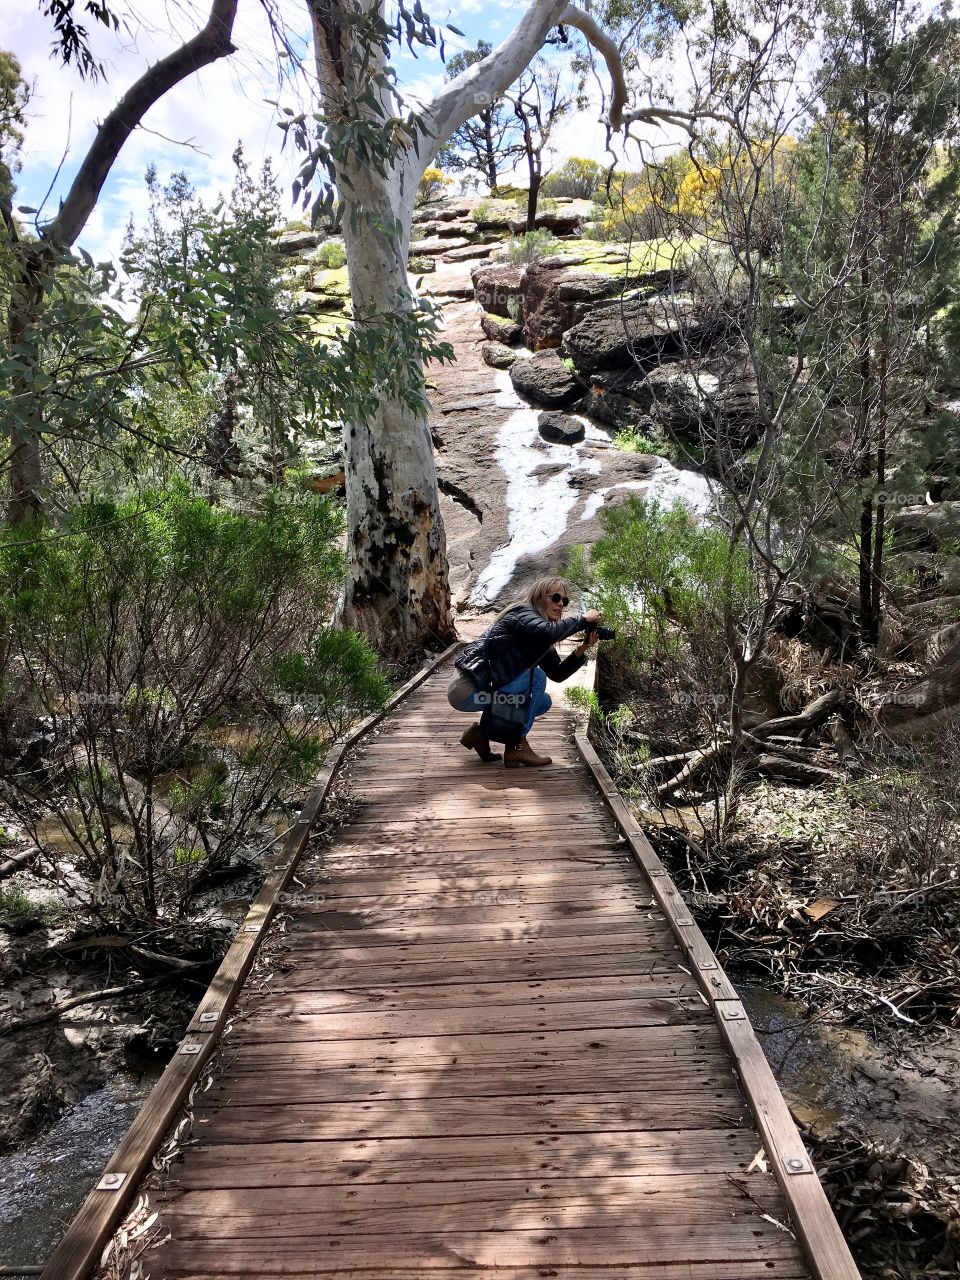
column 521, row 639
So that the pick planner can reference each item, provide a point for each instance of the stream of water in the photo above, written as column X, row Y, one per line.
column 43, row 1186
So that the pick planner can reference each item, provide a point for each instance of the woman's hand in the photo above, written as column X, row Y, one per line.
column 591, row 636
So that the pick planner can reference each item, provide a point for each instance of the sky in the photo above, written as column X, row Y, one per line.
column 196, row 127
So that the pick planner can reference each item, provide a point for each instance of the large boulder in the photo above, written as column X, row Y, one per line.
column 292, row 242
column 501, row 329
column 546, row 380
column 613, row 408
column 925, row 528
column 438, row 244
column 470, row 252
column 619, row 335
column 551, row 301
column 495, row 285
column 562, row 222
column 560, row 428
column 497, row 356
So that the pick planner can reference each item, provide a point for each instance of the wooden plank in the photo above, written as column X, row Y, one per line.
column 526, row 1015
column 465, row 995
column 637, row 1197
column 708, row 1077
column 510, row 915
column 415, row 973
column 820, row 1235
column 625, row 1112
column 751, row 1238
column 311, row 1164
column 626, row 923
column 486, row 1050
column 183, row 1267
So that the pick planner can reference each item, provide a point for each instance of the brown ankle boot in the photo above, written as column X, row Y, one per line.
column 474, row 740
column 523, row 753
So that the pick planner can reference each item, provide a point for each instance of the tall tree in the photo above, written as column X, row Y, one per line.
column 14, row 96
column 539, row 103
column 490, row 140
column 397, row 587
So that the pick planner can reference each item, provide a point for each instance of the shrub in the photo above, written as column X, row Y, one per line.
column 431, row 186
column 18, row 912
column 633, row 441
column 149, row 634
column 530, row 247
column 576, row 179
column 332, row 255
column 668, row 584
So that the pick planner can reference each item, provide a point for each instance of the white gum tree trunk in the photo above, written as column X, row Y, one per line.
column 397, row 590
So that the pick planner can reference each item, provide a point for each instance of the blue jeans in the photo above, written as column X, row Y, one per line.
column 540, row 702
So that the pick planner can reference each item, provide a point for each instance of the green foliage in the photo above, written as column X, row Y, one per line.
column 337, row 678
column 14, row 96
column 481, row 213
column 530, row 247
column 146, row 631
column 331, row 254
column 18, row 913
column 584, row 700
column 577, row 178
column 663, row 579
column 632, row 440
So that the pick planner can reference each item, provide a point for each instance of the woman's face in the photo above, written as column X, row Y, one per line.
column 555, row 608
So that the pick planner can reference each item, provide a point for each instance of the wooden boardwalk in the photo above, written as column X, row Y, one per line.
column 474, row 1046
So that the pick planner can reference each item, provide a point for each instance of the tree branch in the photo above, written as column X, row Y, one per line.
column 606, row 46
column 208, row 45
column 488, row 79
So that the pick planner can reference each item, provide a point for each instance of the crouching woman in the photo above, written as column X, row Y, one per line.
column 520, row 642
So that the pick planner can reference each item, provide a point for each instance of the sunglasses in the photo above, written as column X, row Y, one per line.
column 557, row 598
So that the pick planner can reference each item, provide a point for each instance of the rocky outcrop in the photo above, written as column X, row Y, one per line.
column 620, row 335
column 438, row 244
column 560, row 428
column 293, row 242
column 562, row 222
column 925, row 528
column 552, row 301
column 497, row 356
column 546, row 380
column 500, row 329
column 471, row 251
column 606, row 403
column 495, row 286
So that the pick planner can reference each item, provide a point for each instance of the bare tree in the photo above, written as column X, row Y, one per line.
column 539, row 102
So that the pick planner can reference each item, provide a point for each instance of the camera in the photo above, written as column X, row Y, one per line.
column 602, row 633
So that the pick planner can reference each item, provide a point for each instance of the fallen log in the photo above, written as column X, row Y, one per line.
column 786, row 770
column 815, row 714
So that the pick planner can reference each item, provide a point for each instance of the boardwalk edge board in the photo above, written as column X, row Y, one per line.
column 816, row 1227
column 82, row 1245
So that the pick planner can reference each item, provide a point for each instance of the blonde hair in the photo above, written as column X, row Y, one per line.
column 537, row 595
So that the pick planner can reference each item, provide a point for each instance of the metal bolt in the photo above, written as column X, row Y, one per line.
column 111, row 1181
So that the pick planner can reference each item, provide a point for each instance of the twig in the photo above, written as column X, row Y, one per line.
column 108, row 993
column 872, row 995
